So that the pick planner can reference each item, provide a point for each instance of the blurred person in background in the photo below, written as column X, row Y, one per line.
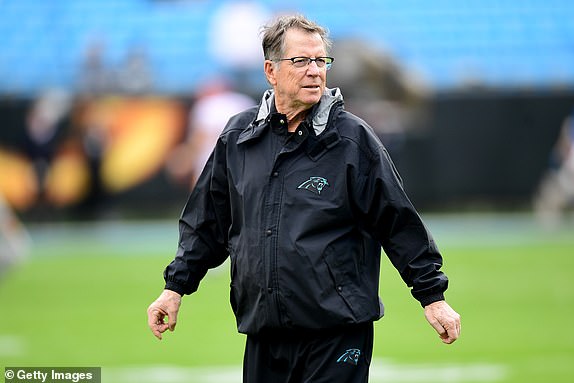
column 95, row 78
column 215, row 103
column 387, row 96
column 14, row 238
column 57, row 161
column 301, row 195
column 556, row 190
column 134, row 76
column 47, row 125
column 234, row 44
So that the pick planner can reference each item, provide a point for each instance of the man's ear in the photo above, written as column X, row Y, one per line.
column 270, row 70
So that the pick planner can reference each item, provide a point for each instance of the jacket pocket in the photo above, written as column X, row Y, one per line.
column 345, row 272
column 246, row 294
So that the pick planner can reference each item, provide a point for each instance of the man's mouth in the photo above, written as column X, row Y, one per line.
column 311, row 87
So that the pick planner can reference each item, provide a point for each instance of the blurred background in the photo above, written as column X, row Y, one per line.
column 108, row 109
column 97, row 96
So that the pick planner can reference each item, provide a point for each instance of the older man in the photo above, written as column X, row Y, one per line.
column 301, row 195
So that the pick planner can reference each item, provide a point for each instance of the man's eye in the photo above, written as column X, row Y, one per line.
column 299, row 60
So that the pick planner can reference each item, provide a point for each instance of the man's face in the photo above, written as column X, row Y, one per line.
column 299, row 88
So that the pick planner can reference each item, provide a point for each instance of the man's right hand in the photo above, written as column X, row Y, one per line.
column 167, row 304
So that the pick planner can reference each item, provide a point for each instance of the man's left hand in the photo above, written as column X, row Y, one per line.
column 444, row 320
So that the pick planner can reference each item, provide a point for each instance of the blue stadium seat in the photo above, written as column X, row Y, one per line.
column 502, row 43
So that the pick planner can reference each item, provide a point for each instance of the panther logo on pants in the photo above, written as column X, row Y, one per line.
column 350, row 356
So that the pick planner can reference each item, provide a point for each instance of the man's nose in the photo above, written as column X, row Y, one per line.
column 313, row 68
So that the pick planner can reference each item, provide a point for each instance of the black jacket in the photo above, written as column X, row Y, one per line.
column 303, row 217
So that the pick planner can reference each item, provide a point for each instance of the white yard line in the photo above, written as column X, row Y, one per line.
column 386, row 371
column 381, row 371
column 11, row 346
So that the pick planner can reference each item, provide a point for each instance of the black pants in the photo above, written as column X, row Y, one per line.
column 294, row 356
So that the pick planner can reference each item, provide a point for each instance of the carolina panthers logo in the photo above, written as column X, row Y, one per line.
column 314, row 184
column 350, row 356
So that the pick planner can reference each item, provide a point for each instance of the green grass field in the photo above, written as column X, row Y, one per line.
column 81, row 298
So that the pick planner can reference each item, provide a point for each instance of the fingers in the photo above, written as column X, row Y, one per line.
column 172, row 320
column 172, row 301
column 447, row 332
column 442, row 331
column 167, row 305
column 156, row 321
column 444, row 320
column 449, row 336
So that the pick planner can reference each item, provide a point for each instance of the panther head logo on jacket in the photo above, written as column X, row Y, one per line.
column 314, row 184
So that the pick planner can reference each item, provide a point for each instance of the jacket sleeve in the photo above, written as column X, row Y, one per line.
column 202, row 227
column 391, row 218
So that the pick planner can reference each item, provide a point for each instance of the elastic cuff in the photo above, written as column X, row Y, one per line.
column 175, row 287
column 425, row 301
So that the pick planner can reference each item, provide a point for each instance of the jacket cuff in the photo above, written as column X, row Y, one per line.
column 175, row 287
column 425, row 301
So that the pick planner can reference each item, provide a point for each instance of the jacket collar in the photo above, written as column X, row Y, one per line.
column 319, row 120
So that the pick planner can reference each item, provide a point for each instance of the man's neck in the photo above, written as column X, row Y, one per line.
column 294, row 115
column 293, row 123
